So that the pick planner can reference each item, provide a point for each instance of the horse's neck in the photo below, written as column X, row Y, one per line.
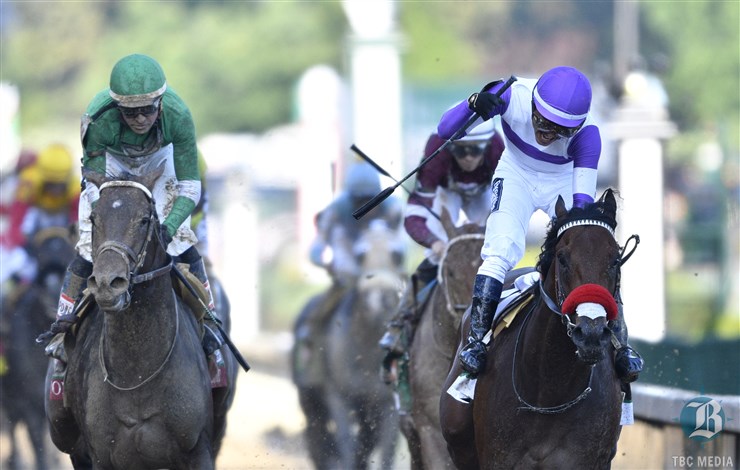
column 147, row 327
column 445, row 321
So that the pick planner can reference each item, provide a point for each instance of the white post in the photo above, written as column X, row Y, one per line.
column 239, row 264
column 375, row 71
column 640, row 125
column 321, row 100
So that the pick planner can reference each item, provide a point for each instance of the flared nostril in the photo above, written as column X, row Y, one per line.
column 119, row 283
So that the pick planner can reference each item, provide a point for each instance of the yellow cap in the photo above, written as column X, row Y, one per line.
column 55, row 164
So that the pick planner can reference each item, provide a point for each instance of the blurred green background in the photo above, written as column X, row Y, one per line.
column 237, row 63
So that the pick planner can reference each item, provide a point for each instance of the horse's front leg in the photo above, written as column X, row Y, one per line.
column 339, row 411
column 455, row 417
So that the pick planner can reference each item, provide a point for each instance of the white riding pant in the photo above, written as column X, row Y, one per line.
column 517, row 193
column 164, row 192
column 463, row 210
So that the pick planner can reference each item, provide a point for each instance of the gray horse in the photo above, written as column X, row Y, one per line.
column 361, row 406
column 26, row 313
column 137, row 392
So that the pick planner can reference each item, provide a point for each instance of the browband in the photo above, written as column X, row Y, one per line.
column 576, row 223
column 130, row 184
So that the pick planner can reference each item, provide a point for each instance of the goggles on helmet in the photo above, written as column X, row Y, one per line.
column 145, row 110
column 544, row 125
column 461, row 150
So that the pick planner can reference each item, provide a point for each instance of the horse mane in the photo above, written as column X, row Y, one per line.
column 598, row 210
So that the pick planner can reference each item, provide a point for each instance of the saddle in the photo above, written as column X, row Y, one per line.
column 519, row 291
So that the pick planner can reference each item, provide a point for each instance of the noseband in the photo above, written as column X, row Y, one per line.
column 556, row 307
column 132, row 259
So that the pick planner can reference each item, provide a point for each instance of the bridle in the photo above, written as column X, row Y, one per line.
column 570, row 326
column 134, row 260
column 554, row 306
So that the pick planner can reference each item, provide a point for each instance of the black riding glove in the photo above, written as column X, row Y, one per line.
column 483, row 103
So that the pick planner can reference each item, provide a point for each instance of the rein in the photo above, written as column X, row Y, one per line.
column 539, row 409
column 555, row 307
column 101, row 356
column 128, row 254
column 136, row 262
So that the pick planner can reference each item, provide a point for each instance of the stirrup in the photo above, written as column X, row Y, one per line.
column 55, row 348
column 212, row 340
column 391, row 341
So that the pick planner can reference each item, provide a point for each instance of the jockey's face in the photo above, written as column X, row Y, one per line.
column 468, row 155
column 141, row 119
column 547, row 132
column 55, row 189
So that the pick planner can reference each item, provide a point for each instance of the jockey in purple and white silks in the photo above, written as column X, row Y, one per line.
column 458, row 181
column 552, row 149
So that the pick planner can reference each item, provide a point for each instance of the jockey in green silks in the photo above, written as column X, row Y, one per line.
column 134, row 126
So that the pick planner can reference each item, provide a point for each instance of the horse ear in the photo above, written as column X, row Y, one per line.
column 610, row 202
column 150, row 178
column 560, row 209
column 447, row 223
column 94, row 177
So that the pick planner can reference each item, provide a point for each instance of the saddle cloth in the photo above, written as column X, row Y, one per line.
column 512, row 302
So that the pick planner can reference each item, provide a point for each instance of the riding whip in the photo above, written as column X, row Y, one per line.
column 383, row 195
column 385, row 173
column 239, row 358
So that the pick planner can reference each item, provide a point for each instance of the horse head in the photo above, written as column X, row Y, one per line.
column 581, row 262
column 380, row 254
column 125, row 237
column 459, row 262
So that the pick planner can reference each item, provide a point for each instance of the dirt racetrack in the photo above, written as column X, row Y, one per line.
column 265, row 423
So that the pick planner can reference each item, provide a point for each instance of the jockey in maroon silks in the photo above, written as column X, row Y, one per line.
column 458, row 179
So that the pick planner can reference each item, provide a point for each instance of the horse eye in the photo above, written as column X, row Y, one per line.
column 144, row 221
column 562, row 259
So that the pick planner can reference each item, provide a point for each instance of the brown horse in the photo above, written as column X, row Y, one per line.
column 137, row 392
column 435, row 341
column 548, row 396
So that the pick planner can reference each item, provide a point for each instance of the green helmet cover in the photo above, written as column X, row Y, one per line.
column 137, row 80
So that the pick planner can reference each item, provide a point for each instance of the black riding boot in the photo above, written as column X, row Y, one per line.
column 627, row 362
column 486, row 295
column 75, row 281
column 407, row 314
column 211, row 337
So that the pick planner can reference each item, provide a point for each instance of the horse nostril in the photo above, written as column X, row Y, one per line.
column 119, row 283
column 606, row 334
column 578, row 333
